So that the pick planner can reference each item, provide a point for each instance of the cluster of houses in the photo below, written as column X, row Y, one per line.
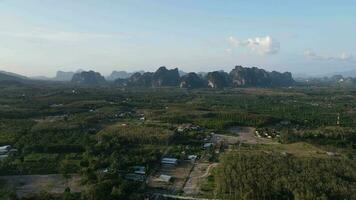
column 264, row 133
column 167, row 162
column 188, row 127
column 172, row 162
column 123, row 114
column 137, row 173
column 6, row 151
column 129, row 114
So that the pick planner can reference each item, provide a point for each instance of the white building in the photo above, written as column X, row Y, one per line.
column 169, row 161
column 5, row 149
column 165, row 178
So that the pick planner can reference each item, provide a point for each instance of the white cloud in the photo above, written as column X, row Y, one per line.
column 342, row 57
column 261, row 45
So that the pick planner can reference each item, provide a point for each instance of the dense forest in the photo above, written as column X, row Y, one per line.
column 273, row 176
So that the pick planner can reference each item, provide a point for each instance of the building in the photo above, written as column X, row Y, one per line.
column 169, row 161
column 5, row 149
column 188, row 127
column 192, row 157
column 135, row 177
column 208, row 145
column 139, row 170
column 165, row 178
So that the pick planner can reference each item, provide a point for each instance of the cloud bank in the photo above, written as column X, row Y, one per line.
column 261, row 45
column 309, row 54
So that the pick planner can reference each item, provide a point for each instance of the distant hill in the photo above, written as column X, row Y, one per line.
column 163, row 77
column 88, row 78
column 350, row 73
column 121, row 75
column 182, row 73
column 336, row 80
column 160, row 78
column 13, row 75
column 64, row 76
column 41, row 78
column 8, row 76
column 118, row 75
column 238, row 77
column 218, row 79
column 192, row 80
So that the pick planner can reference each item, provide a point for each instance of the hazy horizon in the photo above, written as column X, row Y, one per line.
column 39, row 38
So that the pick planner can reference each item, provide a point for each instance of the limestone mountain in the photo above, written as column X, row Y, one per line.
column 141, row 80
column 161, row 78
column 238, row 77
column 165, row 77
column 255, row 77
column 218, row 79
column 88, row 78
column 118, row 75
column 192, row 80
column 64, row 76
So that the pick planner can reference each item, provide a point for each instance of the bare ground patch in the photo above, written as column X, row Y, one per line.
column 52, row 183
column 247, row 135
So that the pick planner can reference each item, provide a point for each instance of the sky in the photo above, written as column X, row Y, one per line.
column 39, row 37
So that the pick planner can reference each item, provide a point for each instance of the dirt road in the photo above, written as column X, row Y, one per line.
column 201, row 170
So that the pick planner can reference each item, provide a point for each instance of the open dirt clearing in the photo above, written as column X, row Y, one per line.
column 53, row 183
column 247, row 135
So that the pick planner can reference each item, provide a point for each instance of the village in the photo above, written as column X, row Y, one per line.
column 181, row 176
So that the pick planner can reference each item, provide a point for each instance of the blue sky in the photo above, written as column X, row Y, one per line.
column 39, row 37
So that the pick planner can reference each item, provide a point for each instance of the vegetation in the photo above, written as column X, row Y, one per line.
column 272, row 176
column 101, row 132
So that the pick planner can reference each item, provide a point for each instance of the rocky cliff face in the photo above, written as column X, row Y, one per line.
column 255, row 77
column 161, row 78
column 142, row 80
column 165, row 77
column 88, row 77
column 64, row 76
column 218, row 79
column 281, row 79
column 192, row 80
column 238, row 77
column 118, row 75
